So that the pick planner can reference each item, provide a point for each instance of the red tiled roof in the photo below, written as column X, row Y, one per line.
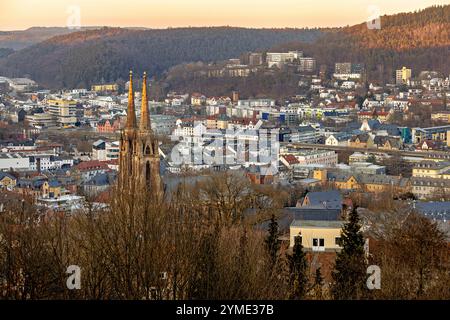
column 290, row 159
column 91, row 165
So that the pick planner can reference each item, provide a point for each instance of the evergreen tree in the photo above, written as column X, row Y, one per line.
column 349, row 273
column 298, row 279
column 272, row 243
column 318, row 284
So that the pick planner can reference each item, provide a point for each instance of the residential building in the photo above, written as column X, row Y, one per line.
column 14, row 161
column 64, row 111
column 7, row 181
column 112, row 87
column 432, row 169
column 402, row 76
column 317, row 236
column 280, row 59
column 307, row 64
column 337, row 140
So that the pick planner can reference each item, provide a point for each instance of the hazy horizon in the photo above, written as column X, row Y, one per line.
column 15, row 15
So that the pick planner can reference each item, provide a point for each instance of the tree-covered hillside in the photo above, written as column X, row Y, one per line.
column 80, row 59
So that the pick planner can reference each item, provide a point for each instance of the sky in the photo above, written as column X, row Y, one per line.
column 22, row 14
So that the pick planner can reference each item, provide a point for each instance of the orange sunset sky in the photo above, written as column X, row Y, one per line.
column 22, row 14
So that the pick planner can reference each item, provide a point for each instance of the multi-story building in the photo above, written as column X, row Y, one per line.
column 255, row 59
column 105, row 87
column 42, row 162
column 280, row 59
column 441, row 116
column 430, row 188
column 431, row 133
column 402, row 76
column 14, row 161
column 64, row 111
column 343, row 67
column 432, row 169
column 41, row 120
column 307, row 64
column 105, row 151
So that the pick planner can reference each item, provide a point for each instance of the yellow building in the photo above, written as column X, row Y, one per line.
column 432, row 169
column 364, row 140
column 317, row 235
column 373, row 183
column 105, row 87
column 51, row 189
column 441, row 116
column 7, row 180
column 64, row 111
column 403, row 75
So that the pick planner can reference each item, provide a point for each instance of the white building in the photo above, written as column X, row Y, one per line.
column 317, row 157
column 13, row 161
column 337, row 140
column 281, row 58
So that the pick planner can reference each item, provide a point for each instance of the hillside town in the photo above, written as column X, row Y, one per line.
column 344, row 143
column 343, row 134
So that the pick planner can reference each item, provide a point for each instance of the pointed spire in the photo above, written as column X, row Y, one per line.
column 145, row 116
column 131, row 114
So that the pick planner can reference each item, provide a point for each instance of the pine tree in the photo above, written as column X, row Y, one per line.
column 318, row 284
column 298, row 280
column 272, row 243
column 350, row 269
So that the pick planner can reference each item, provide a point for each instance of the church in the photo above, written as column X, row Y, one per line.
column 139, row 162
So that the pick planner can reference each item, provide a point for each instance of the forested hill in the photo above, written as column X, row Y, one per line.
column 420, row 40
column 20, row 39
column 79, row 59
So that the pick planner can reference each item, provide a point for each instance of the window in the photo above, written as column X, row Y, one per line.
column 318, row 242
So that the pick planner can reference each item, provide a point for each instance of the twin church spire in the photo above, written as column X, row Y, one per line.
column 139, row 163
column 131, row 112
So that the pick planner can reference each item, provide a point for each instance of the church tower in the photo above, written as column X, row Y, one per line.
column 139, row 156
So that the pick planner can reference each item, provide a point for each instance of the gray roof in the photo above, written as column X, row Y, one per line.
column 434, row 210
column 325, row 199
column 317, row 224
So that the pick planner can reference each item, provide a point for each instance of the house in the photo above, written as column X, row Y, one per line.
column 7, row 181
column 51, row 189
column 373, row 183
column 325, row 199
column 388, row 143
column 370, row 125
column 197, row 99
column 363, row 140
column 337, row 140
column 289, row 160
column 261, row 174
column 88, row 169
column 319, row 236
column 15, row 115
column 98, row 184
column 108, row 126
column 429, row 145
